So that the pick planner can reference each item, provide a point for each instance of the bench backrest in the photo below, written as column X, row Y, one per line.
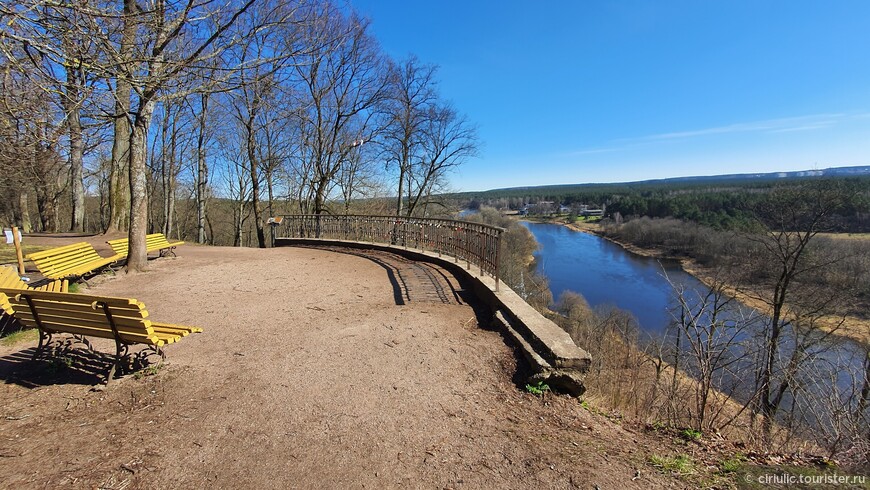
column 158, row 241
column 154, row 241
column 82, row 314
column 55, row 262
column 120, row 246
column 9, row 278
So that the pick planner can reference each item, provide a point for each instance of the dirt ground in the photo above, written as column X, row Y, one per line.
column 316, row 369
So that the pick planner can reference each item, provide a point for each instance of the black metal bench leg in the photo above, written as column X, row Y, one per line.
column 44, row 340
column 122, row 354
column 44, row 337
column 121, row 349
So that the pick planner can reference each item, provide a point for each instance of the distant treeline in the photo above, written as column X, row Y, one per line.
column 720, row 205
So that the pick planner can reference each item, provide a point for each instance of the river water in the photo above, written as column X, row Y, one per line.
column 605, row 273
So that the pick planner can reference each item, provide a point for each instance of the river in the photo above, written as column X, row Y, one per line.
column 605, row 273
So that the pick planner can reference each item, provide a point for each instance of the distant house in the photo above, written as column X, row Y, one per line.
column 543, row 208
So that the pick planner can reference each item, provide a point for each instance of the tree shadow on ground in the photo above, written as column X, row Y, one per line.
column 74, row 366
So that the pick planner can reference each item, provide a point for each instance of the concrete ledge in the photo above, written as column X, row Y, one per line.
column 552, row 355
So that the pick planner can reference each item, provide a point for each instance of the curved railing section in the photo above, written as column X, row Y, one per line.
column 473, row 243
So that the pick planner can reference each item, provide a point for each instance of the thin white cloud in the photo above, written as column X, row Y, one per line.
column 591, row 151
column 770, row 126
column 808, row 127
column 800, row 123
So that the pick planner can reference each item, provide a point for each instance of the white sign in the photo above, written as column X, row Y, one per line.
column 8, row 234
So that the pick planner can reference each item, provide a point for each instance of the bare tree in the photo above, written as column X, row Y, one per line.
column 202, row 138
column 249, row 102
column 31, row 130
column 411, row 95
column 783, row 264
column 447, row 140
column 714, row 338
column 119, row 170
column 341, row 83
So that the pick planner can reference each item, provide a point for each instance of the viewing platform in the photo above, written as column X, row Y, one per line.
column 471, row 251
column 317, row 367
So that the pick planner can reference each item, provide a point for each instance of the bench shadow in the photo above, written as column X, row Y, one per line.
column 8, row 324
column 75, row 367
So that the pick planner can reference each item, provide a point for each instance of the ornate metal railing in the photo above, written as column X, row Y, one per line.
column 473, row 243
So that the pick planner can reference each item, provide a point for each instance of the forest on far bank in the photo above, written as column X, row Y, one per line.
column 716, row 203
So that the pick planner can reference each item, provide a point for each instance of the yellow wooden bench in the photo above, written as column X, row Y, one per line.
column 124, row 320
column 9, row 279
column 155, row 242
column 74, row 260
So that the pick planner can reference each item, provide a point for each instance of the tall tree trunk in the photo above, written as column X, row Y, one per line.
column 202, row 172
column 23, row 217
column 119, row 173
column 46, row 204
column 400, row 196
column 76, row 145
column 119, row 183
column 168, row 170
column 137, row 257
column 255, row 183
column 72, row 110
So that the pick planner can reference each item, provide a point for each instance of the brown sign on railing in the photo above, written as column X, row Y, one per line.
column 472, row 243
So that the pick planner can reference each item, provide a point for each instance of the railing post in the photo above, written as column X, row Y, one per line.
column 454, row 247
column 497, row 258
column 467, row 249
column 481, row 249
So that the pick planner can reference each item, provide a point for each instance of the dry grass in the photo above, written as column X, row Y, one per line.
column 847, row 236
column 19, row 336
column 852, row 327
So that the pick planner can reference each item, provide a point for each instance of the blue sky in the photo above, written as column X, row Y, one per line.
column 614, row 91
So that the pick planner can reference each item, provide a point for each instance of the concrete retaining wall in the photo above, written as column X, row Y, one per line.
column 552, row 355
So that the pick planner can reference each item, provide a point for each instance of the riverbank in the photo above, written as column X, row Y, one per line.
column 851, row 327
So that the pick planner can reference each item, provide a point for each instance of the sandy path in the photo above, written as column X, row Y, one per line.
column 316, row 369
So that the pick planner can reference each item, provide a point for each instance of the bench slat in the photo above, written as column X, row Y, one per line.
column 5, row 305
column 178, row 328
column 80, row 298
column 153, row 243
column 70, row 260
column 124, row 325
column 103, row 332
column 52, row 251
column 53, row 307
